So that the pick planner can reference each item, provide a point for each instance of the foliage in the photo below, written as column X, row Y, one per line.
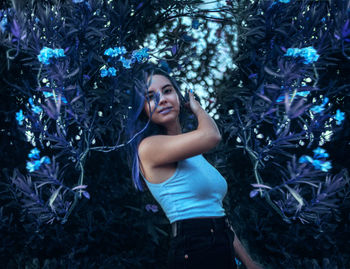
column 274, row 75
column 68, row 69
column 289, row 88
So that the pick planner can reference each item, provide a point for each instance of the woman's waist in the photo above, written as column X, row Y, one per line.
column 199, row 225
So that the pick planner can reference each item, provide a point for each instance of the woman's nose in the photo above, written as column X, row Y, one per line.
column 162, row 98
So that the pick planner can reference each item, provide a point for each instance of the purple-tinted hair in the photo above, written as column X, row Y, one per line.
column 139, row 125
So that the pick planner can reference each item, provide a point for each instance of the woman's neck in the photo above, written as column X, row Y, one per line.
column 174, row 129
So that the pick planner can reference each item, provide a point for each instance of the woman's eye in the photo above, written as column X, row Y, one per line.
column 167, row 90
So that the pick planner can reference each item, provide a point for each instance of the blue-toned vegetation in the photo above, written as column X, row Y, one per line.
column 274, row 76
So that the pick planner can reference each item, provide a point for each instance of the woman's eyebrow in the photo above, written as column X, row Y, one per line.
column 166, row 85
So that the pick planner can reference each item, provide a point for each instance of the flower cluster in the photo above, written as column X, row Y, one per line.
column 137, row 56
column 35, row 162
column 309, row 54
column 114, row 52
column 46, row 54
column 111, row 72
column 319, row 153
column 35, row 109
column 339, row 116
column 126, row 62
column 20, row 117
column 140, row 55
column 320, row 108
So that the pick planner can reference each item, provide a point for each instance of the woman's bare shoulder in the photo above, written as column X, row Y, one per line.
column 158, row 150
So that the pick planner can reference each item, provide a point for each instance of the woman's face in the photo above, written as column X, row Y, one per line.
column 169, row 104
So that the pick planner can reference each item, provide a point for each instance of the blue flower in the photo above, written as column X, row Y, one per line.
column 320, row 153
column 126, row 62
column 30, row 166
column 325, row 101
column 37, row 162
column 303, row 93
column 317, row 109
column 293, row 52
column 45, row 160
column 112, row 71
column 30, row 100
column 104, row 73
column 109, row 52
column 33, row 166
column 141, row 54
column 115, row 52
column 47, row 94
column 46, row 54
column 34, row 154
column 3, row 24
column 339, row 116
column 325, row 166
column 36, row 109
column 78, row 1
column 20, row 117
column 280, row 99
column 108, row 72
column 320, row 108
column 64, row 100
column 318, row 164
column 58, row 53
column 305, row 159
column 309, row 54
column 122, row 50
column 321, row 165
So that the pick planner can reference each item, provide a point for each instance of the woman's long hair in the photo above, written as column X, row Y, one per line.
column 139, row 124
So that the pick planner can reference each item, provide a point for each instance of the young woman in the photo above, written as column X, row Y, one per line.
column 188, row 188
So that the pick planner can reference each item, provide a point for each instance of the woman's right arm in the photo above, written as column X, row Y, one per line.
column 164, row 149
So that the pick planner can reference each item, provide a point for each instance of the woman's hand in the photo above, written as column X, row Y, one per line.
column 193, row 104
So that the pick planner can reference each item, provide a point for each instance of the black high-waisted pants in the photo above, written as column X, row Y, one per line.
column 202, row 243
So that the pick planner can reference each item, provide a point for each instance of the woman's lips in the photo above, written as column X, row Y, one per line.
column 166, row 110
